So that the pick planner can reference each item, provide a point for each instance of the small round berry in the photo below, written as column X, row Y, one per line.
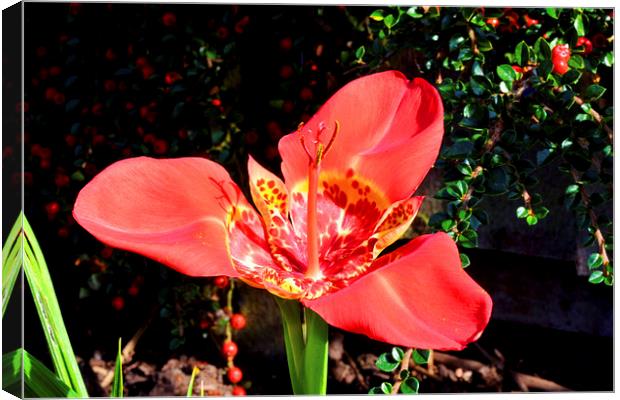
column 216, row 102
column 52, row 208
column 234, row 374
column 133, row 290
column 586, row 43
column 204, row 324
column 494, row 22
column 118, row 303
column 286, row 43
column 221, row 281
column 237, row 321
column 169, row 19
column 238, row 391
column 229, row 349
column 560, row 67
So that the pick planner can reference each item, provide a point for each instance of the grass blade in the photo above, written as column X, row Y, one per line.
column 190, row 388
column 117, row 384
column 39, row 381
column 46, row 303
column 11, row 265
column 11, row 261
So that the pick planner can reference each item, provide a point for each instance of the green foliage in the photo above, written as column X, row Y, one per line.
column 22, row 240
column 508, row 115
column 192, row 379
column 38, row 380
column 117, row 383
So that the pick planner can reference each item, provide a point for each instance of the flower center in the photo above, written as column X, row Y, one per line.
column 314, row 166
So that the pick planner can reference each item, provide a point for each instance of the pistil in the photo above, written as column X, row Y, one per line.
column 314, row 168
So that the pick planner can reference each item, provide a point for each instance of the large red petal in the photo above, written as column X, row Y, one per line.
column 390, row 133
column 172, row 210
column 419, row 296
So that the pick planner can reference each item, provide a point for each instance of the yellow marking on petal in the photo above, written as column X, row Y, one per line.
column 395, row 222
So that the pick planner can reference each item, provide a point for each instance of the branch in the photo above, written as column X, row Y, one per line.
column 598, row 235
column 404, row 366
column 597, row 117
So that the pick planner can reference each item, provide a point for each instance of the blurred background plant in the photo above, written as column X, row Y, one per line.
column 526, row 92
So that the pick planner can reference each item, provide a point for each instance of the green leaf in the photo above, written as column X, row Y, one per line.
column 389, row 21
column 403, row 374
column 577, row 62
column 506, row 73
column 448, row 224
column 608, row 59
column 594, row 92
column 578, row 24
column 465, row 262
column 377, row 15
column 411, row 11
column 117, row 384
column 46, row 303
column 397, row 354
column 421, row 356
column 386, row 387
column 545, row 68
column 542, row 49
column 38, row 380
column 359, row 53
column 386, row 363
column 410, row 386
column 553, row 12
column 468, row 239
column 571, row 189
column 531, row 220
column 595, row 260
column 541, row 212
column 192, row 379
column 522, row 212
column 375, row 390
column 596, row 277
column 522, row 53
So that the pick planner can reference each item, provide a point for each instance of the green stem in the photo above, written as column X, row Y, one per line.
column 307, row 357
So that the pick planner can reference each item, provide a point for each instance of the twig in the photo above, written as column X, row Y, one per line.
column 404, row 366
column 474, row 42
column 597, row 117
column 524, row 381
column 598, row 235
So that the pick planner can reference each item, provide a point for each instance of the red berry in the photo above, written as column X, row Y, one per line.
column 71, row 140
column 234, row 374
column 59, row 98
column 600, row 40
column 50, row 93
column 221, row 281
column 97, row 109
column 55, row 71
column 305, row 94
column 118, row 303
column 133, row 290
column 107, row 252
column 494, row 22
column 110, row 55
column 204, row 324
column 586, row 43
column 147, row 71
column 286, row 43
column 238, row 391
column 229, row 349
column 288, row 106
column 286, row 71
column 560, row 67
column 216, row 102
column 237, row 321
column 160, row 146
column 222, row 32
column 561, row 51
column 182, row 134
column 530, row 21
column 52, row 208
column 172, row 77
column 109, row 85
column 169, row 19
column 61, row 180
column 517, row 69
column 63, row 232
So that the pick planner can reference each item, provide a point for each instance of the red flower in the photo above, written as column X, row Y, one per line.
column 317, row 237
